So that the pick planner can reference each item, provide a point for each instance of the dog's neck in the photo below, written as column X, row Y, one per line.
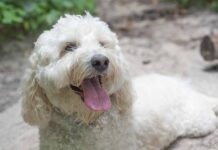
column 63, row 119
column 64, row 127
column 81, row 135
column 89, row 119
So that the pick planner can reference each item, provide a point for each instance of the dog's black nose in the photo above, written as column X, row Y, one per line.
column 100, row 62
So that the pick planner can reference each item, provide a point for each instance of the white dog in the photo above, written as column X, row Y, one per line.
column 78, row 92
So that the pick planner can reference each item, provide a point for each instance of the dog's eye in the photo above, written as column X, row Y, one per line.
column 71, row 46
column 103, row 44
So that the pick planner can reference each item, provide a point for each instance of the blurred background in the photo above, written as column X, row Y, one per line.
column 162, row 36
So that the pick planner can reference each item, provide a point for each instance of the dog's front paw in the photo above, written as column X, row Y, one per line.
column 201, row 124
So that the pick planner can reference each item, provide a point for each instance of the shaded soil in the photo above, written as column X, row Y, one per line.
column 13, row 58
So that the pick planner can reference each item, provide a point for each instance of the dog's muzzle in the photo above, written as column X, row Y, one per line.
column 91, row 90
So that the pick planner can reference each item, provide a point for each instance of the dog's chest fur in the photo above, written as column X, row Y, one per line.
column 110, row 131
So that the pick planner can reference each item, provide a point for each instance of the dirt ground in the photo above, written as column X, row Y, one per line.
column 166, row 45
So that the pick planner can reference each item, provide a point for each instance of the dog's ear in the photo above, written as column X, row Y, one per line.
column 123, row 98
column 36, row 109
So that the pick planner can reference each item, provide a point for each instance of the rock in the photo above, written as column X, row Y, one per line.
column 209, row 48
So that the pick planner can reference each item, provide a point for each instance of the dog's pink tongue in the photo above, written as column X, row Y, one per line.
column 95, row 97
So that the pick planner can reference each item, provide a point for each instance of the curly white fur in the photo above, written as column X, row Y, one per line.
column 163, row 109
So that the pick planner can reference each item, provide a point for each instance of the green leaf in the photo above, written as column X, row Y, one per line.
column 52, row 16
column 34, row 15
column 214, row 6
column 8, row 17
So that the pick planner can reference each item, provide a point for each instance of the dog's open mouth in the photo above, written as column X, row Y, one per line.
column 94, row 95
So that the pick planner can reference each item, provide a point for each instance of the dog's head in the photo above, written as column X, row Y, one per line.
column 77, row 66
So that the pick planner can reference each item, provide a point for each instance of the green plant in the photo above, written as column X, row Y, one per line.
column 212, row 4
column 25, row 16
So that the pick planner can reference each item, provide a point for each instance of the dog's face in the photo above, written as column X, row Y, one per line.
column 79, row 64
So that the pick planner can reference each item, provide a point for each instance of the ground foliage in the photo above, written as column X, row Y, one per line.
column 19, row 17
column 211, row 4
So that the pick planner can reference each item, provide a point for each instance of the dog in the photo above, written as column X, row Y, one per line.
column 78, row 91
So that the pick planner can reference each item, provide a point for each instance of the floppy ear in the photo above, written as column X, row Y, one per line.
column 123, row 98
column 36, row 109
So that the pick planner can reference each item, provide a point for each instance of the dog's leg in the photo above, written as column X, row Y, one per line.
column 200, row 117
column 168, row 108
